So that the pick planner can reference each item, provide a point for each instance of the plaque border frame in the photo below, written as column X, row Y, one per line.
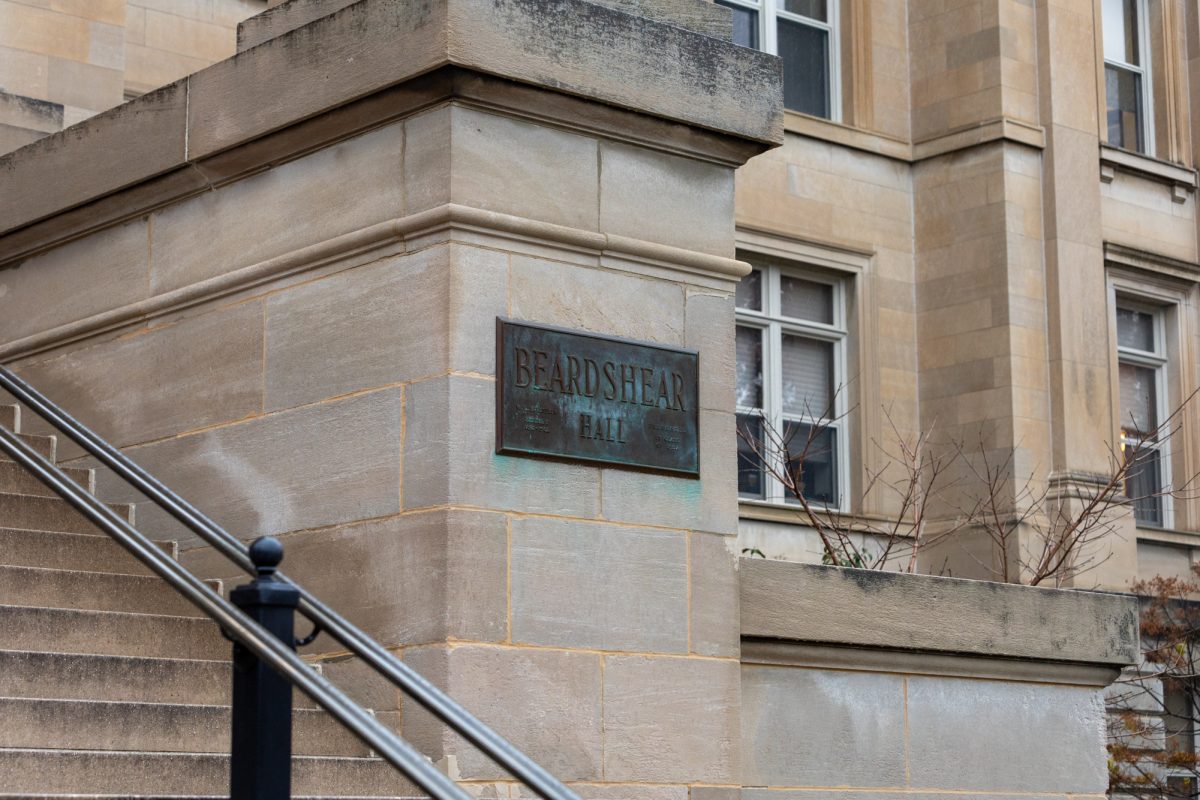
column 589, row 460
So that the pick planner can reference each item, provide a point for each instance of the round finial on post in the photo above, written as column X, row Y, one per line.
column 266, row 552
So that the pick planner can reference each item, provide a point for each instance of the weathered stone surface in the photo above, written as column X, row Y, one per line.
column 520, row 168
column 645, row 194
column 398, row 319
column 671, row 719
column 294, row 470
column 702, row 16
column 920, row 612
column 714, row 594
column 590, row 299
column 803, row 727
column 85, row 161
column 417, row 578
column 157, row 382
column 596, row 586
column 450, row 457
column 615, row 58
column 119, row 254
column 708, row 504
column 258, row 216
column 709, row 328
column 1055, row 733
column 546, row 702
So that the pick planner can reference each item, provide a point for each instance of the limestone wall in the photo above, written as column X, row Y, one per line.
column 61, row 63
column 287, row 312
column 891, row 685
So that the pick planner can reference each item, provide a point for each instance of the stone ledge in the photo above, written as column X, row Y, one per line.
column 702, row 16
column 928, row 614
column 569, row 46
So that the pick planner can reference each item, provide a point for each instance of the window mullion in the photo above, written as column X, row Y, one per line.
column 775, row 412
column 770, row 38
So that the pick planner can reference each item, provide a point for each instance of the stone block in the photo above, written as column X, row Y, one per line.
column 76, row 83
column 189, row 37
column 1056, row 734
column 19, row 111
column 146, row 67
column 635, row 63
column 427, row 158
column 398, row 319
column 611, row 303
column 714, row 793
column 524, row 169
column 24, row 72
column 450, row 457
column 921, row 612
column 82, row 157
column 672, row 200
column 308, row 468
column 807, row 727
column 546, row 702
column 418, row 578
column 714, row 594
column 709, row 329
column 161, row 381
column 599, row 587
column 707, row 504
column 257, row 216
column 671, row 720
column 111, row 263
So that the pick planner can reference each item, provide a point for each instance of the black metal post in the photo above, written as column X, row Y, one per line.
column 261, row 743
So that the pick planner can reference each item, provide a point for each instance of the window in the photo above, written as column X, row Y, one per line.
column 1141, row 363
column 1126, row 74
column 804, row 34
column 791, row 332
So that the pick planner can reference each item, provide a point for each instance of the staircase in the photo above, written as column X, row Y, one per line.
column 111, row 684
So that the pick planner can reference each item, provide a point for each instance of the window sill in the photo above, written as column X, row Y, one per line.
column 1180, row 179
column 792, row 514
column 1168, row 536
column 846, row 135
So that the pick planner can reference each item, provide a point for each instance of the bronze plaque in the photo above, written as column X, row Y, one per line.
column 575, row 395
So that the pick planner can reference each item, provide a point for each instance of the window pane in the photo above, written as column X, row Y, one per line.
column 1124, row 91
column 750, row 473
column 1144, row 485
column 1121, row 31
column 745, row 25
column 812, row 461
column 1139, row 400
column 806, row 299
column 805, row 53
column 807, row 377
column 813, row 9
column 749, row 291
column 749, row 367
column 1135, row 329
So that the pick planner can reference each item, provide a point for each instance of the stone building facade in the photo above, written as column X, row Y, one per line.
column 62, row 62
column 275, row 283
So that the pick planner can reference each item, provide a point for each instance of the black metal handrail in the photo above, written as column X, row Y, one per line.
column 247, row 632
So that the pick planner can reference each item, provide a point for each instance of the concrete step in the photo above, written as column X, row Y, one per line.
column 76, row 676
column 157, row 727
column 114, row 633
column 10, row 417
column 90, row 773
column 93, row 591
column 47, row 446
column 50, row 514
column 84, row 552
column 15, row 479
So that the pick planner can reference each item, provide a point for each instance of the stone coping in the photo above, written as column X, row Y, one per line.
column 569, row 46
column 813, row 604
